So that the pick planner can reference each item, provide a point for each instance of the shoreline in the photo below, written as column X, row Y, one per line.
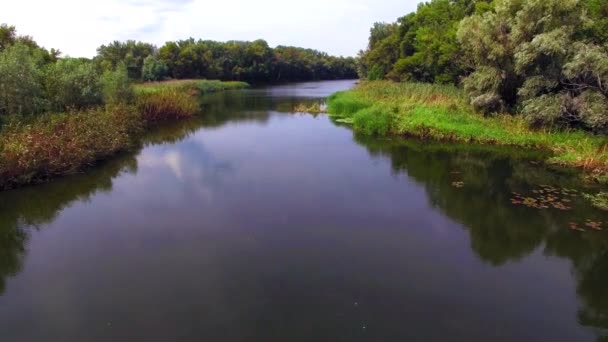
column 442, row 113
column 56, row 145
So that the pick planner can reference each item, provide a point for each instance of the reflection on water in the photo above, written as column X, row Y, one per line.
column 253, row 223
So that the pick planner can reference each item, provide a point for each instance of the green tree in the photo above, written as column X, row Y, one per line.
column 116, row 86
column 130, row 53
column 8, row 36
column 154, row 69
column 72, row 83
column 530, row 54
column 20, row 81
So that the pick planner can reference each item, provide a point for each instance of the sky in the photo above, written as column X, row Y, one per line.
column 78, row 27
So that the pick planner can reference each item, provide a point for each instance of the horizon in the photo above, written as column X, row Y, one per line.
column 339, row 28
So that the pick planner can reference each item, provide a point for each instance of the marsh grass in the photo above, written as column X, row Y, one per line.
column 37, row 149
column 192, row 87
column 315, row 108
column 166, row 104
column 60, row 144
column 442, row 113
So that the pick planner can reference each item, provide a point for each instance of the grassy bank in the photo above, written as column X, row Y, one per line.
column 443, row 113
column 36, row 149
column 192, row 87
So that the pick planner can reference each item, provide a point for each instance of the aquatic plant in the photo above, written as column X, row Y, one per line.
column 193, row 87
column 599, row 200
column 60, row 144
column 315, row 108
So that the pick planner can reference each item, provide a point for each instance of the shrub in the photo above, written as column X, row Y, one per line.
column 117, row 87
column 166, row 104
column 20, row 81
column 72, row 83
column 530, row 55
column 154, row 69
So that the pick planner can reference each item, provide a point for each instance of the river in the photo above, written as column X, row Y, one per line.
column 253, row 223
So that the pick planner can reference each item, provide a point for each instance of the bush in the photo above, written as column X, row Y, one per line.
column 154, row 69
column 72, row 83
column 117, row 87
column 548, row 69
column 20, row 81
column 166, row 104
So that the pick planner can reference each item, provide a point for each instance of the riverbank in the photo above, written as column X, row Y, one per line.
column 34, row 150
column 443, row 113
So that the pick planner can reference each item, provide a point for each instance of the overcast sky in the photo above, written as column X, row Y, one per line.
column 78, row 27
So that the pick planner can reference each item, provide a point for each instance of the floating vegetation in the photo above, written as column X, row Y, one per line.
column 599, row 200
column 315, row 108
column 595, row 225
column 546, row 197
column 458, row 184
column 575, row 226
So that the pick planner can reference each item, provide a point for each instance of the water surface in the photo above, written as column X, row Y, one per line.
column 252, row 223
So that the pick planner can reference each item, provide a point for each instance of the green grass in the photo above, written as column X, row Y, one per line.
column 190, row 86
column 443, row 113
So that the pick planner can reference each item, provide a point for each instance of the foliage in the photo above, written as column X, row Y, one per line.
column 421, row 46
column 116, row 86
column 530, row 54
column 72, row 83
column 131, row 54
column 154, row 69
column 20, row 81
column 443, row 113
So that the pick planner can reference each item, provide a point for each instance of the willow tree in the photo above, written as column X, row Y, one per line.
column 531, row 55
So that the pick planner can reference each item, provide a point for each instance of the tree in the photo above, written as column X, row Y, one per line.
column 420, row 46
column 8, row 36
column 20, row 81
column 531, row 55
column 72, row 83
column 130, row 53
column 154, row 69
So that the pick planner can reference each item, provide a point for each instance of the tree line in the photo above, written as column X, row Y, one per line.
column 35, row 80
column 253, row 62
column 544, row 59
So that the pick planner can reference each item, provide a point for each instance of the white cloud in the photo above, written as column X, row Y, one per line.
column 78, row 27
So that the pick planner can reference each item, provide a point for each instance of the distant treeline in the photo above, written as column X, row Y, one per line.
column 253, row 62
column 544, row 59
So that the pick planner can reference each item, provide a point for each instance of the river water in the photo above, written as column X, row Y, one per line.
column 252, row 223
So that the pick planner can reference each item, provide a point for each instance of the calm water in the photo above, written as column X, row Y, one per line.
column 252, row 223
